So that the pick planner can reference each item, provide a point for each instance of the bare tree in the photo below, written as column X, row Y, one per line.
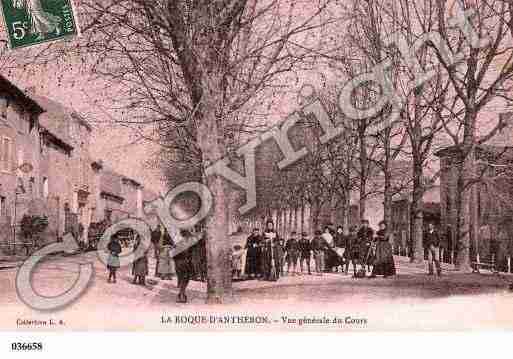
column 200, row 66
column 482, row 44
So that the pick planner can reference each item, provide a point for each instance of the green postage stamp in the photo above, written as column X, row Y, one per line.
column 31, row 22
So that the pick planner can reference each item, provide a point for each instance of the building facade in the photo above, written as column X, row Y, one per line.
column 46, row 169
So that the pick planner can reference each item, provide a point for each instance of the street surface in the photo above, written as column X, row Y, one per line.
column 411, row 300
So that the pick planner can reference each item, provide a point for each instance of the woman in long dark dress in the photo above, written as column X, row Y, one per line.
column 384, row 259
column 269, row 253
column 253, row 254
column 140, row 265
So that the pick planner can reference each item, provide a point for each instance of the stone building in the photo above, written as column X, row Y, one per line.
column 491, row 201
column 20, row 142
column 46, row 169
column 115, row 196
column 401, row 219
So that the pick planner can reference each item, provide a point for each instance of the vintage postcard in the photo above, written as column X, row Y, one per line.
column 256, row 165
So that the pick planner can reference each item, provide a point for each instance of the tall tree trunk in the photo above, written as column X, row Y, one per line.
column 218, row 246
column 363, row 178
column 347, row 213
column 387, row 196
column 219, row 278
column 463, row 196
column 295, row 218
column 387, row 171
column 362, row 200
column 474, row 220
column 302, row 217
column 416, row 216
column 314, row 215
column 289, row 210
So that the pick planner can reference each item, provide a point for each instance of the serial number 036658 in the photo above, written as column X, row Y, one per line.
column 26, row 346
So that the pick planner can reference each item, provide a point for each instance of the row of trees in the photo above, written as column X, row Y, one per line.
column 202, row 77
column 451, row 88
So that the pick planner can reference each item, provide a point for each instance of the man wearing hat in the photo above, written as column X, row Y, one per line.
column 292, row 249
column 365, row 239
column 432, row 244
column 319, row 246
column 304, row 252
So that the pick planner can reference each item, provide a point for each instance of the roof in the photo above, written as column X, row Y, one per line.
column 56, row 117
column 20, row 96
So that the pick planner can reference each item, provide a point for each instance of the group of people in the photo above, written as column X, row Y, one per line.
column 270, row 256
column 162, row 243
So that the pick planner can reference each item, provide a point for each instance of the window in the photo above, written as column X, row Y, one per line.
column 5, row 154
column 3, row 207
column 45, row 187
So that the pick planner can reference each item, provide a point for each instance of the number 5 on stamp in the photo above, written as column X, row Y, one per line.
column 32, row 22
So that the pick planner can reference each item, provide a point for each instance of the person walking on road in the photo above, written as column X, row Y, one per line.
column 330, row 256
column 352, row 252
column 253, row 254
column 432, row 244
column 319, row 247
column 305, row 255
column 292, row 249
column 365, row 238
column 155, row 240
column 270, row 270
column 384, row 259
column 113, row 263
column 140, row 265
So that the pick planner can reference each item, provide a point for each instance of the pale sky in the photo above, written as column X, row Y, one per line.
column 112, row 143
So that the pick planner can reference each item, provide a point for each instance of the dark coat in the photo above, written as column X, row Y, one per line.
column 192, row 263
column 253, row 255
column 114, row 248
column 319, row 244
column 340, row 240
column 292, row 249
column 352, row 247
column 155, row 237
column 383, row 258
column 304, row 247
column 271, row 258
column 292, row 246
column 365, row 234
column 140, row 267
column 431, row 239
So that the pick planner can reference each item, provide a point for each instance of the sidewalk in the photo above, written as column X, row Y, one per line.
column 15, row 261
column 8, row 262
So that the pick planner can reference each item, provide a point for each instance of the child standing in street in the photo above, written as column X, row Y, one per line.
column 237, row 261
column 113, row 264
